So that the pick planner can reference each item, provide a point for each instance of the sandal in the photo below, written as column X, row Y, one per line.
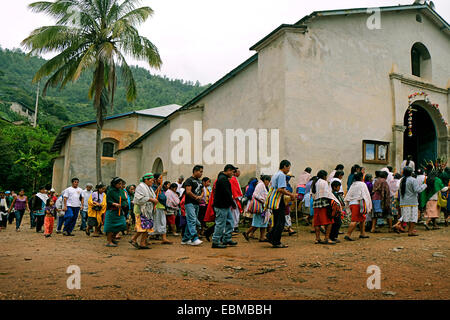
column 318, row 242
column 348, row 238
column 111, row 245
column 364, row 237
column 264, row 240
column 412, row 234
column 134, row 244
column 328, row 242
column 280, row 246
column 167, row 242
column 246, row 236
column 114, row 241
column 291, row 233
column 143, row 247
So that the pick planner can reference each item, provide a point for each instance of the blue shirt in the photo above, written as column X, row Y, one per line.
column 279, row 180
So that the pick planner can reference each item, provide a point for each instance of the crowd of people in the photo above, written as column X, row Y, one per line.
column 197, row 209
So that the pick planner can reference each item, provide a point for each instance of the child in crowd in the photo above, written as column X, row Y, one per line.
column 337, row 210
column 173, row 205
column 49, row 220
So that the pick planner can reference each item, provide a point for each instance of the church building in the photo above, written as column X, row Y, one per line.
column 366, row 86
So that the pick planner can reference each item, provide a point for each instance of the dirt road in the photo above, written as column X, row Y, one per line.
column 32, row 267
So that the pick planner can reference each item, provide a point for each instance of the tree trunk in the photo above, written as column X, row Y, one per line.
column 99, row 85
column 98, row 148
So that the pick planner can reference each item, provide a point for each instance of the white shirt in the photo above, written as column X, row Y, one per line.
column 86, row 195
column 411, row 165
column 421, row 179
column 340, row 181
column 73, row 197
column 180, row 189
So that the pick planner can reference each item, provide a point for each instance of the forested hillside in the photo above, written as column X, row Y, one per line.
column 24, row 158
column 72, row 104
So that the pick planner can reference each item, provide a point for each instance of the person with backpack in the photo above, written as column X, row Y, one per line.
column 279, row 189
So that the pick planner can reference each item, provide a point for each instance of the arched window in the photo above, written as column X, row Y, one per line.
column 158, row 166
column 108, row 148
column 420, row 61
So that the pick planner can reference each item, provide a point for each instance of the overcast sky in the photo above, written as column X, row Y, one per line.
column 201, row 39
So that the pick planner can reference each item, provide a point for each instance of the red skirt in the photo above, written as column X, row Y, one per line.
column 171, row 219
column 357, row 216
column 321, row 217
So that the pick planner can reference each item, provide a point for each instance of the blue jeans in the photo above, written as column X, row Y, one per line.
column 224, row 225
column 84, row 217
column 60, row 223
column 70, row 218
column 190, row 231
column 32, row 219
column 19, row 216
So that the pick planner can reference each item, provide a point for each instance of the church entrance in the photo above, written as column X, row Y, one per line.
column 423, row 143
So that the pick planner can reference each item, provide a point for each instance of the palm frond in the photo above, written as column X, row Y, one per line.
column 52, row 38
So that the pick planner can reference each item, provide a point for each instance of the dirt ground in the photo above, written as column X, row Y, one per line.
column 33, row 267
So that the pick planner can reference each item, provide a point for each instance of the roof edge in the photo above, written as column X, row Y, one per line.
column 364, row 10
column 200, row 96
column 276, row 33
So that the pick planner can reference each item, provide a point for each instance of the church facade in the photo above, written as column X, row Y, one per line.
column 342, row 86
column 76, row 144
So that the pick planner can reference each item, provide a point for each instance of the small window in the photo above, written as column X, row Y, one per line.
column 421, row 61
column 376, row 152
column 418, row 18
column 415, row 61
column 24, row 109
column 108, row 149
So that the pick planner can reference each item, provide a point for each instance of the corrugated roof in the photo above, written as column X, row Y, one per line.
column 158, row 112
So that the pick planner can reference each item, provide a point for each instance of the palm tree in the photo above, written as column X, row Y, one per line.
column 92, row 35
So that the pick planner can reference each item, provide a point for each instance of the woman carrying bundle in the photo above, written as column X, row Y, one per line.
column 258, row 219
column 144, row 204
column 96, row 209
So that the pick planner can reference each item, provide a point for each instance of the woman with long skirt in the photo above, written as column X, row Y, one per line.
column 260, row 194
column 409, row 204
column 115, row 221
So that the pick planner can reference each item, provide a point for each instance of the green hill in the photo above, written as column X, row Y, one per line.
column 71, row 104
column 25, row 161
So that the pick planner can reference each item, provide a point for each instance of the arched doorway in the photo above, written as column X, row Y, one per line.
column 423, row 145
column 158, row 166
